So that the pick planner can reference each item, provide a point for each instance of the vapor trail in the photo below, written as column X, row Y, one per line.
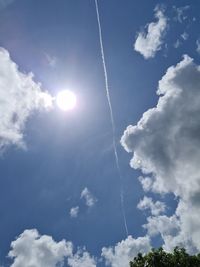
column 111, row 115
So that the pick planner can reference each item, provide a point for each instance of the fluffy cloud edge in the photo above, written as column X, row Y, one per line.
column 165, row 144
column 20, row 96
column 149, row 42
column 123, row 252
column 38, row 250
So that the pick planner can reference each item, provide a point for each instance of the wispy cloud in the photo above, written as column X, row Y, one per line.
column 74, row 212
column 198, row 46
column 185, row 36
column 177, row 43
column 180, row 13
column 19, row 97
column 51, row 60
column 90, row 200
column 149, row 42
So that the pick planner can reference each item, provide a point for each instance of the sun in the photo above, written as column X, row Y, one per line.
column 66, row 100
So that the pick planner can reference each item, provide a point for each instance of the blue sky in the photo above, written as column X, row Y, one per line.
column 58, row 172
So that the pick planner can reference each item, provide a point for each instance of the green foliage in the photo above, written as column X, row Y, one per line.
column 160, row 258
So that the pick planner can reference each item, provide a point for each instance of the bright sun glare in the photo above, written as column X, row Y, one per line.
column 66, row 100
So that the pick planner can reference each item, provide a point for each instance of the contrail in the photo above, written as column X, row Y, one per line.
column 111, row 116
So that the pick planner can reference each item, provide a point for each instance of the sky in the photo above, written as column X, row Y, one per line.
column 64, row 199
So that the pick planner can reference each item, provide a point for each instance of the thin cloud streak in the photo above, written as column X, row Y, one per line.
column 111, row 117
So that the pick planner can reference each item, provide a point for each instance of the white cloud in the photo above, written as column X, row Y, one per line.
column 180, row 13
column 166, row 226
column 89, row 198
column 198, row 46
column 31, row 249
column 148, row 43
column 165, row 145
column 177, row 43
column 19, row 97
column 156, row 208
column 125, row 251
column 146, row 183
column 172, row 231
column 81, row 258
column 185, row 36
column 74, row 212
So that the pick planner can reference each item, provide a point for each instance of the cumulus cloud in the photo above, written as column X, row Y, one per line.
column 146, row 183
column 81, row 258
column 19, row 97
column 165, row 146
column 164, row 225
column 149, row 42
column 155, row 208
column 90, row 200
column 31, row 249
column 123, row 252
column 171, row 230
column 74, row 212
